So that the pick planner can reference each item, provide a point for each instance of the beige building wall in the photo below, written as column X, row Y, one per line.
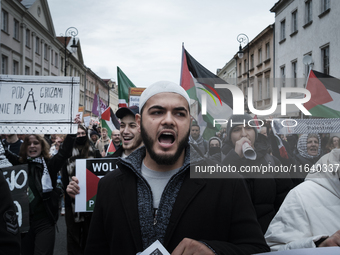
column 261, row 60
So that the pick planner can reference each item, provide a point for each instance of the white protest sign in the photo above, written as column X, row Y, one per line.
column 87, row 120
column 134, row 100
column 306, row 126
column 38, row 104
column 155, row 249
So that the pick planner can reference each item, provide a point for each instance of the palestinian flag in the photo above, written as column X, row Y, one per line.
column 110, row 149
column 124, row 84
column 89, row 172
column 199, row 83
column 325, row 95
column 282, row 148
column 109, row 121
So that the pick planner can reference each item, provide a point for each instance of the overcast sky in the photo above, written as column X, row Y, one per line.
column 144, row 38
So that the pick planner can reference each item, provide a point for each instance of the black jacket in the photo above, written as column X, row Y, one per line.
column 217, row 212
column 45, row 204
column 267, row 194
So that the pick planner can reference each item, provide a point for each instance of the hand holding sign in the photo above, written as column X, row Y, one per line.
column 73, row 188
column 190, row 246
column 333, row 240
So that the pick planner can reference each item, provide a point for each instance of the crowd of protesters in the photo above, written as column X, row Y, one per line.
column 150, row 196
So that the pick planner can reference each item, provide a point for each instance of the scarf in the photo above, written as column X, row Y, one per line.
column 302, row 147
column 46, row 181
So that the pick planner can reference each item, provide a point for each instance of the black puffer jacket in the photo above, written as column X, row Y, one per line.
column 268, row 193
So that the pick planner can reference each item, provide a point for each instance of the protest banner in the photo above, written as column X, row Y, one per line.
column 17, row 179
column 134, row 95
column 89, row 172
column 306, row 126
column 38, row 104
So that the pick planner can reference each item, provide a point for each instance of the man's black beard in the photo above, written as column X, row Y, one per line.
column 163, row 159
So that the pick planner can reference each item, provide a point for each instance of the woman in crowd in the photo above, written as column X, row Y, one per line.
column 307, row 153
column 332, row 144
column 42, row 192
column 77, row 223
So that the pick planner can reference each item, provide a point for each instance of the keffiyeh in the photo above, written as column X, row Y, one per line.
column 46, row 181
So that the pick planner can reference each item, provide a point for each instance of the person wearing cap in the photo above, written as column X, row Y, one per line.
column 150, row 196
column 267, row 192
column 129, row 131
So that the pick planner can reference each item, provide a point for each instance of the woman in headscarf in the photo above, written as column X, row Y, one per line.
column 42, row 192
column 307, row 153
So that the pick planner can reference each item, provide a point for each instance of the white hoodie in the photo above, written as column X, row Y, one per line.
column 311, row 210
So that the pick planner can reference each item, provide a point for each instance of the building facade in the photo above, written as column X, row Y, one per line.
column 306, row 38
column 258, row 56
column 29, row 46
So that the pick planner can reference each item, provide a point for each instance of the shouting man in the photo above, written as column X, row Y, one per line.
column 152, row 197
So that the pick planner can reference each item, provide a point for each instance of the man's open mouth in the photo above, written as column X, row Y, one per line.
column 166, row 137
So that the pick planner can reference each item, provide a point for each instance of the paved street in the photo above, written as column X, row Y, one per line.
column 60, row 241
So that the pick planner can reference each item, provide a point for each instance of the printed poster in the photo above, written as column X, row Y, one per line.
column 89, row 172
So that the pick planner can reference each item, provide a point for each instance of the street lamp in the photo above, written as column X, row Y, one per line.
column 108, row 90
column 73, row 32
column 243, row 39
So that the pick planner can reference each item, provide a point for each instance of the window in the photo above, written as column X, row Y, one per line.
column 283, row 30
column 267, row 50
column 267, row 87
column 239, row 69
column 28, row 38
column 260, row 55
column 308, row 11
column 324, row 5
column 4, row 19
column 294, row 22
column 62, row 64
column 36, row 73
column 294, row 71
column 16, row 30
column 252, row 61
column 325, row 59
column 27, row 70
column 52, row 57
column 45, row 51
column 37, row 45
column 15, row 67
column 56, row 60
column 283, row 76
column 260, row 89
column 4, row 64
column 245, row 65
